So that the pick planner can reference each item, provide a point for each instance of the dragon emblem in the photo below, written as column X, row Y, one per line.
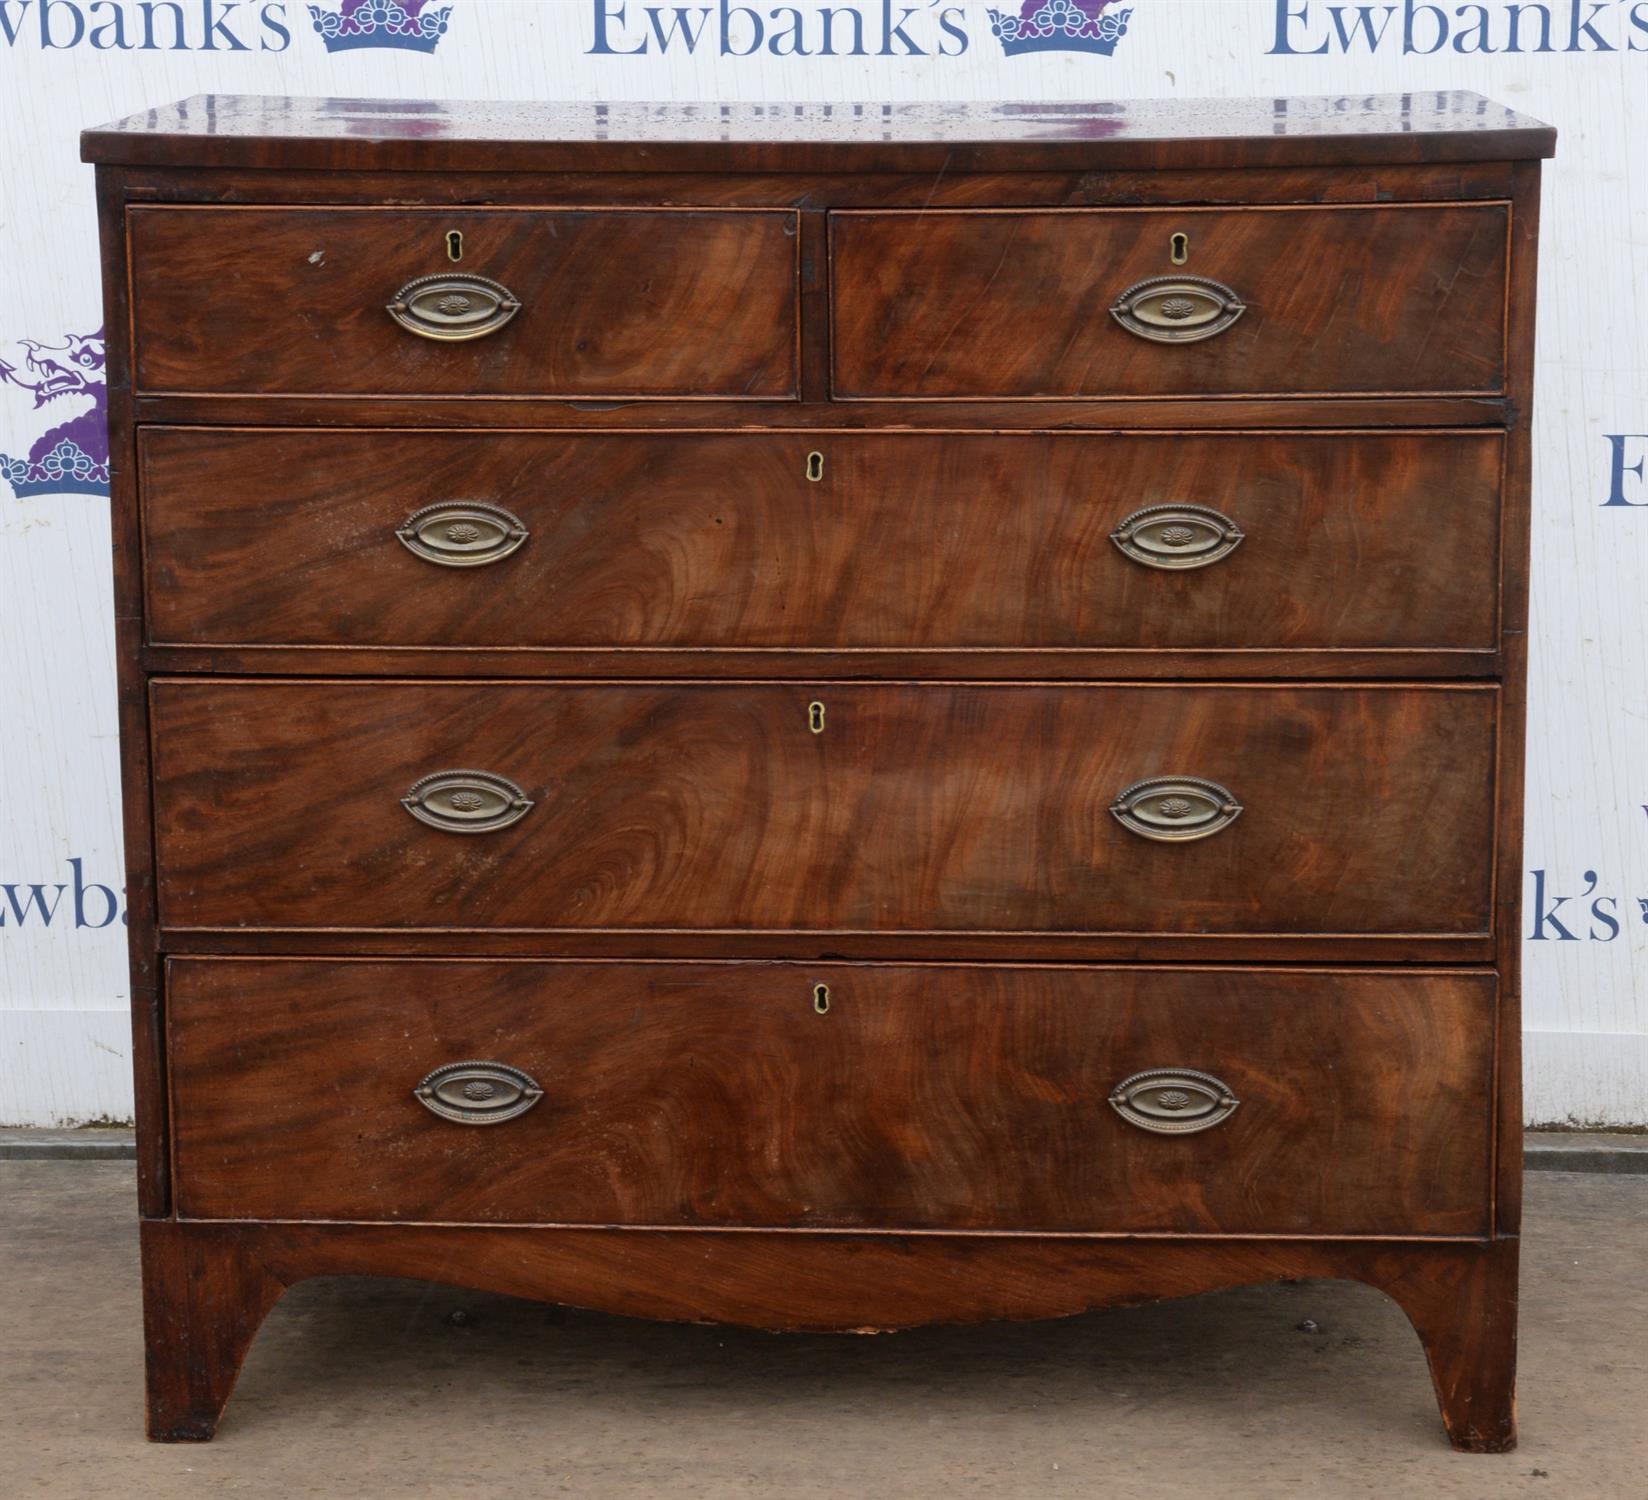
column 73, row 456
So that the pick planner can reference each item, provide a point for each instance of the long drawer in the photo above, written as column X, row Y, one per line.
column 877, row 1096
column 819, row 541
column 537, row 302
column 768, row 807
column 1023, row 303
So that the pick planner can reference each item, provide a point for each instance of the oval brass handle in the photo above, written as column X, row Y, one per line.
column 1177, row 309
column 478, row 1093
column 1175, row 809
column 462, row 533
column 1175, row 537
column 466, row 801
column 1173, row 1101
column 453, row 307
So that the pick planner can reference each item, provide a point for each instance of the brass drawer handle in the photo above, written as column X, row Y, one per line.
column 1175, row 809
column 453, row 307
column 478, row 1093
column 462, row 533
column 466, row 801
column 1177, row 309
column 1173, row 1101
column 1175, row 537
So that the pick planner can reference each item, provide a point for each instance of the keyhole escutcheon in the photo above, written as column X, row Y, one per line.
column 821, row 999
column 454, row 245
column 1178, row 248
column 815, row 466
column 815, row 717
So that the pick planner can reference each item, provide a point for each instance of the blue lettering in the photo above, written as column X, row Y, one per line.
column 797, row 47
column 174, row 12
column 218, row 26
column 1363, row 25
column 829, row 15
column 150, row 25
column 112, row 35
column 758, row 31
column 1639, row 22
column 1410, row 13
column 679, row 24
column 1481, row 32
column 1282, row 44
column 949, row 22
column 36, row 902
column 1616, row 490
column 50, row 8
column 9, row 24
column 611, row 10
column 274, row 19
column 1516, row 12
column 1541, row 916
column 1587, row 28
column 891, row 28
column 111, row 905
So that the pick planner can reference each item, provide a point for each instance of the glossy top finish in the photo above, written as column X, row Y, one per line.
column 225, row 130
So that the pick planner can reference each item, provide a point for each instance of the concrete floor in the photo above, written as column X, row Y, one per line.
column 396, row 1389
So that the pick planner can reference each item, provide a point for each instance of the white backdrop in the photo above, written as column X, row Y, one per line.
column 1579, row 64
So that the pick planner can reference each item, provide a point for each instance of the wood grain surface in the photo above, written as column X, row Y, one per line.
column 914, row 541
column 908, row 187
column 209, row 1286
column 1099, row 413
column 614, row 302
column 924, row 299
column 918, row 808
column 955, row 136
column 931, row 1097
column 1017, row 304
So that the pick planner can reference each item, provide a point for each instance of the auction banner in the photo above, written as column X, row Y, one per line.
column 1581, row 65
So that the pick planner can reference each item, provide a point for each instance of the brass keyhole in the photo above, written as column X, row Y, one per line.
column 454, row 244
column 1178, row 249
column 821, row 999
column 815, row 717
column 815, row 467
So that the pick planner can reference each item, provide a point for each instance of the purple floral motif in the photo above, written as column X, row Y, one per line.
column 73, row 457
column 410, row 25
column 1060, row 26
column 1086, row 7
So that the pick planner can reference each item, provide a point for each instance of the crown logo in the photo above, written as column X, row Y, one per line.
column 405, row 24
column 71, row 458
column 1060, row 26
column 66, row 469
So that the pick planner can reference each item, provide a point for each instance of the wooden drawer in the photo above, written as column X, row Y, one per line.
column 928, row 1097
column 937, row 808
column 1018, row 303
column 613, row 302
column 922, row 542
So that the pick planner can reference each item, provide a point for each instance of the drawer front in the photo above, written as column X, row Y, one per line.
column 820, row 808
column 927, row 1097
column 1017, row 303
column 610, row 303
column 915, row 541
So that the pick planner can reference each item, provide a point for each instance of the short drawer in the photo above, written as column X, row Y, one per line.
column 337, row 301
column 824, row 808
column 1084, row 303
column 873, row 1096
column 822, row 541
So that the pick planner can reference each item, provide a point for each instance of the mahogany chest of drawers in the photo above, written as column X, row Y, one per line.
column 824, row 718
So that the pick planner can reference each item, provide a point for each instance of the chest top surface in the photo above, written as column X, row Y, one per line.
column 234, row 131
